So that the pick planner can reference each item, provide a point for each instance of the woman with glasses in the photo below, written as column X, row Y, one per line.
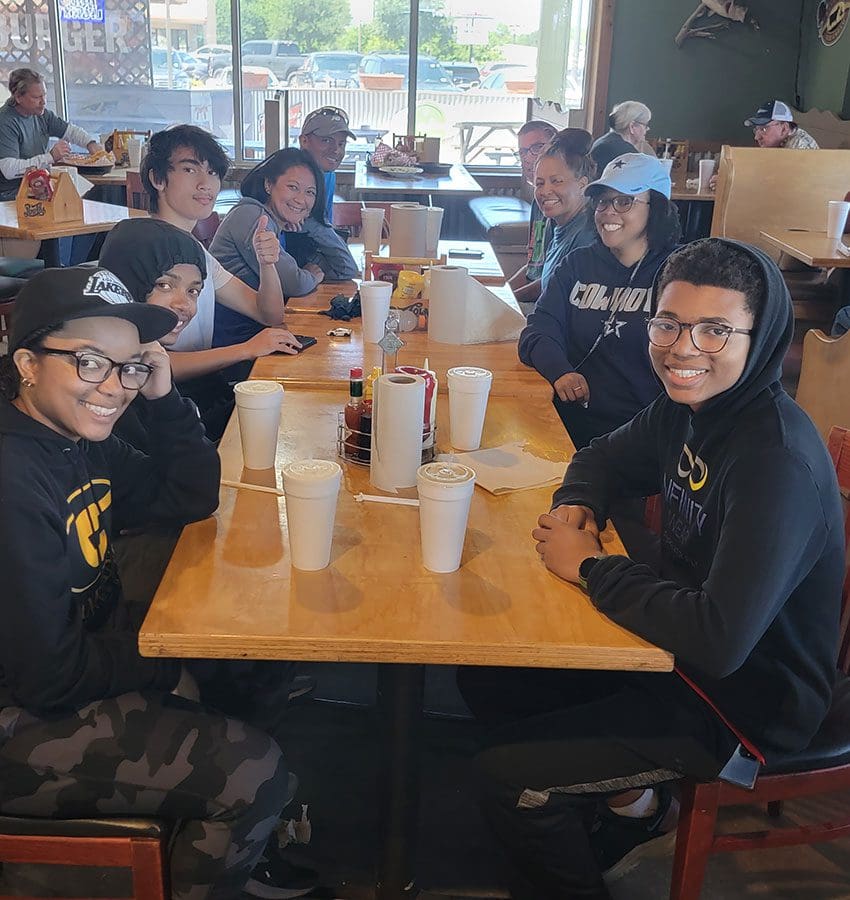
column 88, row 727
column 287, row 189
column 587, row 335
column 629, row 123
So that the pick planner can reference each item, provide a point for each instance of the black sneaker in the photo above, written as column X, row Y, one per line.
column 620, row 843
column 274, row 878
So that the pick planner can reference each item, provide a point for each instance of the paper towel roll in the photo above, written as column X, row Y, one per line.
column 447, row 304
column 462, row 311
column 397, row 404
column 408, row 224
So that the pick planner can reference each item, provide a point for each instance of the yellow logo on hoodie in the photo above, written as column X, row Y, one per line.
column 693, row 468
column 88, row 504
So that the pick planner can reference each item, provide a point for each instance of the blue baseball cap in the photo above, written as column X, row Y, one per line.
column 633, row 173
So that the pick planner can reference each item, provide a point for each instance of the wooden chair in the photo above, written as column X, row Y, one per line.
column 205, row 229
column 137, row 196
column 822, row 768
column 136, row 844
column 824, row 376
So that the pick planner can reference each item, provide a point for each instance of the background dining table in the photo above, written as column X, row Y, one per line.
column 456, row 181
column 97, row 217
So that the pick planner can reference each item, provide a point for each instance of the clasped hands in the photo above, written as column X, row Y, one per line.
column 565, row 537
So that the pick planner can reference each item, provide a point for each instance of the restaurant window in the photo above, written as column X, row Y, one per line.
column 25, row 43
column 128, row 65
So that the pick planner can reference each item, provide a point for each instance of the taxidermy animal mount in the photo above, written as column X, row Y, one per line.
column 712, row 16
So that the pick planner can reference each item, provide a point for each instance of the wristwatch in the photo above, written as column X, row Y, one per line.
column 584, row 569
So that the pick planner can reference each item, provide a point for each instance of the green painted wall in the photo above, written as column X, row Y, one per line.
column 824, row 71
column 706, row 89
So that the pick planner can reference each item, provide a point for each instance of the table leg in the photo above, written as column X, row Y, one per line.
column 400, row 696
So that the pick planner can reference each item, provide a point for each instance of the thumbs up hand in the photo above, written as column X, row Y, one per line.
column 265, row 243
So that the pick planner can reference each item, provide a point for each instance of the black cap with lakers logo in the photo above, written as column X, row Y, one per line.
column 59, row 295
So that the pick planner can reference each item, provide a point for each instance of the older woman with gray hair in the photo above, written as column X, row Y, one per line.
column 26, row 126
column 629, row 122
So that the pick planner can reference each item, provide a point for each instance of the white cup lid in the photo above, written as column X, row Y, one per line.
column 258, row 387
column 447, row 473
column 470, row 372
column 310, row 470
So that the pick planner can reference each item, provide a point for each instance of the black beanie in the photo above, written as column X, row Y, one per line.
column 141, row 250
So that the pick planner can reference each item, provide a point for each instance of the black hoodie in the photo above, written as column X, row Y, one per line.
column 60, row 502
column 749, row 589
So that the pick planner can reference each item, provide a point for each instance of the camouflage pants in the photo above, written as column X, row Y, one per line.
column 145, row 754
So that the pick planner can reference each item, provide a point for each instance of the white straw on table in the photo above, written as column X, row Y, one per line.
column 373, row 498
column 251, row 487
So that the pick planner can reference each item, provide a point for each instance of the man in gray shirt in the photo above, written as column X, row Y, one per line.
column 25, row 129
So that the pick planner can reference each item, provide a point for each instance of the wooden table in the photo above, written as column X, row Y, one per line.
column 114, row 178
column 811, row 247
column 467, row 129
column 487, row 269
column 97, row 217
column 229, row 592
column 328, row 363
column 458, row 181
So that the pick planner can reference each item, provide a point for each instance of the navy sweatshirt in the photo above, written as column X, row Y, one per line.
column 592, row 299
column 749, row 590
column 60, row 503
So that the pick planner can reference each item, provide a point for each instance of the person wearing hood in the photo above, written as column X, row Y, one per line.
column 746, row 596
column 586, row 335
column 163, row 265
column 88, row 727
column 287, row 191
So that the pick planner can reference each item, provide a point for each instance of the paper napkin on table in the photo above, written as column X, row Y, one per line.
column 511, row 467
column 82, row 185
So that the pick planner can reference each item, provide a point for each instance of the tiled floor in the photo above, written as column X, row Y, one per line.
column 332, row 747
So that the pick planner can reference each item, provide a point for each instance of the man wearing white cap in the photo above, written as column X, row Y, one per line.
column 324, row 135
column 774, row 126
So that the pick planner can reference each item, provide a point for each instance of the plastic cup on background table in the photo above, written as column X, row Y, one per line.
column 469, row 389
column 374, row 308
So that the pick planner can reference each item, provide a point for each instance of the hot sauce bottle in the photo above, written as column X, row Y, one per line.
column 366, row 416
column 353, row 412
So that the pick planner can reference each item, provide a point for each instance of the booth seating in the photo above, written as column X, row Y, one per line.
column 767, row 189
column 504, row 223
column 18, row 267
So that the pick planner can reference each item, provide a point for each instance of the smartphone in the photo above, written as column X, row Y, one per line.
column 467, row 254
column 305, row 340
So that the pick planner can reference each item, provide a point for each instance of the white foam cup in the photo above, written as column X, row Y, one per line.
column 668, row 165
column 258, row 409
column 311, row 487
column 836, row 217
column 469, row 388
column 134, row 152
column 445, row 493
column 706, row 170
column 433, row 224
column 374, row 308
column 373, row 223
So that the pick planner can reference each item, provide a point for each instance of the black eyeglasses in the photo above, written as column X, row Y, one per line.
column 95, row 369
column 708, row 337
column 533, row 150
column 621, row 203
